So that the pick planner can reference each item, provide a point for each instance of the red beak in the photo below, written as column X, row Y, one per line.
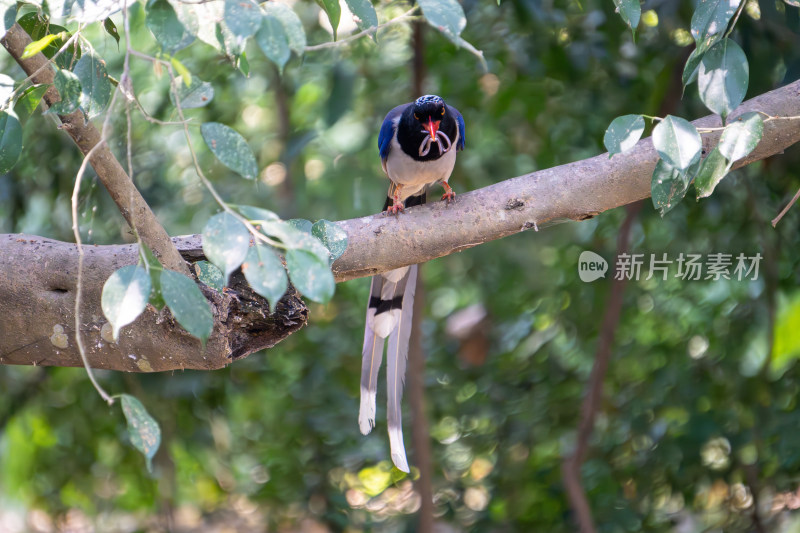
column 432, row 127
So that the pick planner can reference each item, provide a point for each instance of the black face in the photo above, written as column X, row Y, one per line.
column 429, row 108
column 426, row 129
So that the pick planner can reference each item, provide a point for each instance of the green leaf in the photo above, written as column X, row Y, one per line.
column 723, row 77
column 712, row 170
column 199, row 19
column 623, row 133
column 39, row 27
column 111, row 29
column 295, row 238
column 332, row 236
column 363, row 13
column 447, row 16
column 28, row 101
column 310, row 275
column 225, row 242
column 255, row 214
column 35, row 47
column 168, row 30
column 232, row 45
column 230, row 148
column 69, row 88
column 197, row 94
column 143, row 430
column 10, row 141
column 95, row 86
column 273, row 41
column 786, row 333
column 183, row 72
column 209, row 274
column 243, row 64
column 669, row 185
column 630, row 11
column 334, row 12
column 692, row 67
column 301, row 224
column 187, row 303
column 711, row 19
column 292, row 25
column 677, row 142
column 125, row 295
column 151, row 263
column 265, row 273
column 741, row 136
column 243, row 17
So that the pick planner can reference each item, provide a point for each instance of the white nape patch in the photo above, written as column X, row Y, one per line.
column 393, row 276
column 366, row 412
column 384, row 323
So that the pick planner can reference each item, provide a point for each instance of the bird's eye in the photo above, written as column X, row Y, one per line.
column 416, row 116
column 442, row 111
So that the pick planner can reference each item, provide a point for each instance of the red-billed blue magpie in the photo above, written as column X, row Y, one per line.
column 417, row 143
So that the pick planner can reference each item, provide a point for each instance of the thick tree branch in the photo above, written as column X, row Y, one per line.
column 110, row 173
column 41, row 272
column 37, row 303
column 575, row 191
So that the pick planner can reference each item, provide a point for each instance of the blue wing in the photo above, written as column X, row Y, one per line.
column 387, row 130
column 461, row 130
column 385, row 138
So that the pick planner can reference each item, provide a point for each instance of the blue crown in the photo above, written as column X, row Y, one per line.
column 429, row 99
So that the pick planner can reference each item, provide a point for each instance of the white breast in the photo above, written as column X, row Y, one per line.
column 414, row 175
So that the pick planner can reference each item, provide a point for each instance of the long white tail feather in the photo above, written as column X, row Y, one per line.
column 398, row 451
column 396, row 359
column 371, row 357
column 366, row 412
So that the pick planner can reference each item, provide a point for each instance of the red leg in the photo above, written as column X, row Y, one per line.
column 449, row 195
column 397, row 203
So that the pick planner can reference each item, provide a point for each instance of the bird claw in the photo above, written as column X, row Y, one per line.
column 449, row 195
column 394, row 209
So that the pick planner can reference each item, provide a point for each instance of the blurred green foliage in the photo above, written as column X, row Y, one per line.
column 699, row 420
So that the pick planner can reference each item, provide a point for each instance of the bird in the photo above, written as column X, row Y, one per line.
column 417, row 143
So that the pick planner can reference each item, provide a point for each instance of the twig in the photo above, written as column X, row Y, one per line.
column 333, row 44
column 77, row 233
column 786, row 209
column 23, row 83
column 129, row 201
column 739, row 10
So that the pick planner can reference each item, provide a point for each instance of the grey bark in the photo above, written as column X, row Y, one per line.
column 37, row 292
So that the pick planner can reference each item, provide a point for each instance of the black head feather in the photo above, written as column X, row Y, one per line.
column 411, row 129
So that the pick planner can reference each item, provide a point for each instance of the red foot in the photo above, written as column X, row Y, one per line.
column 394, row 208
column 449, row 195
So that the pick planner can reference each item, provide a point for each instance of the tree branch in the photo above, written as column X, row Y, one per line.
column 110, row 173
column 41, row 272
column 575, row 191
